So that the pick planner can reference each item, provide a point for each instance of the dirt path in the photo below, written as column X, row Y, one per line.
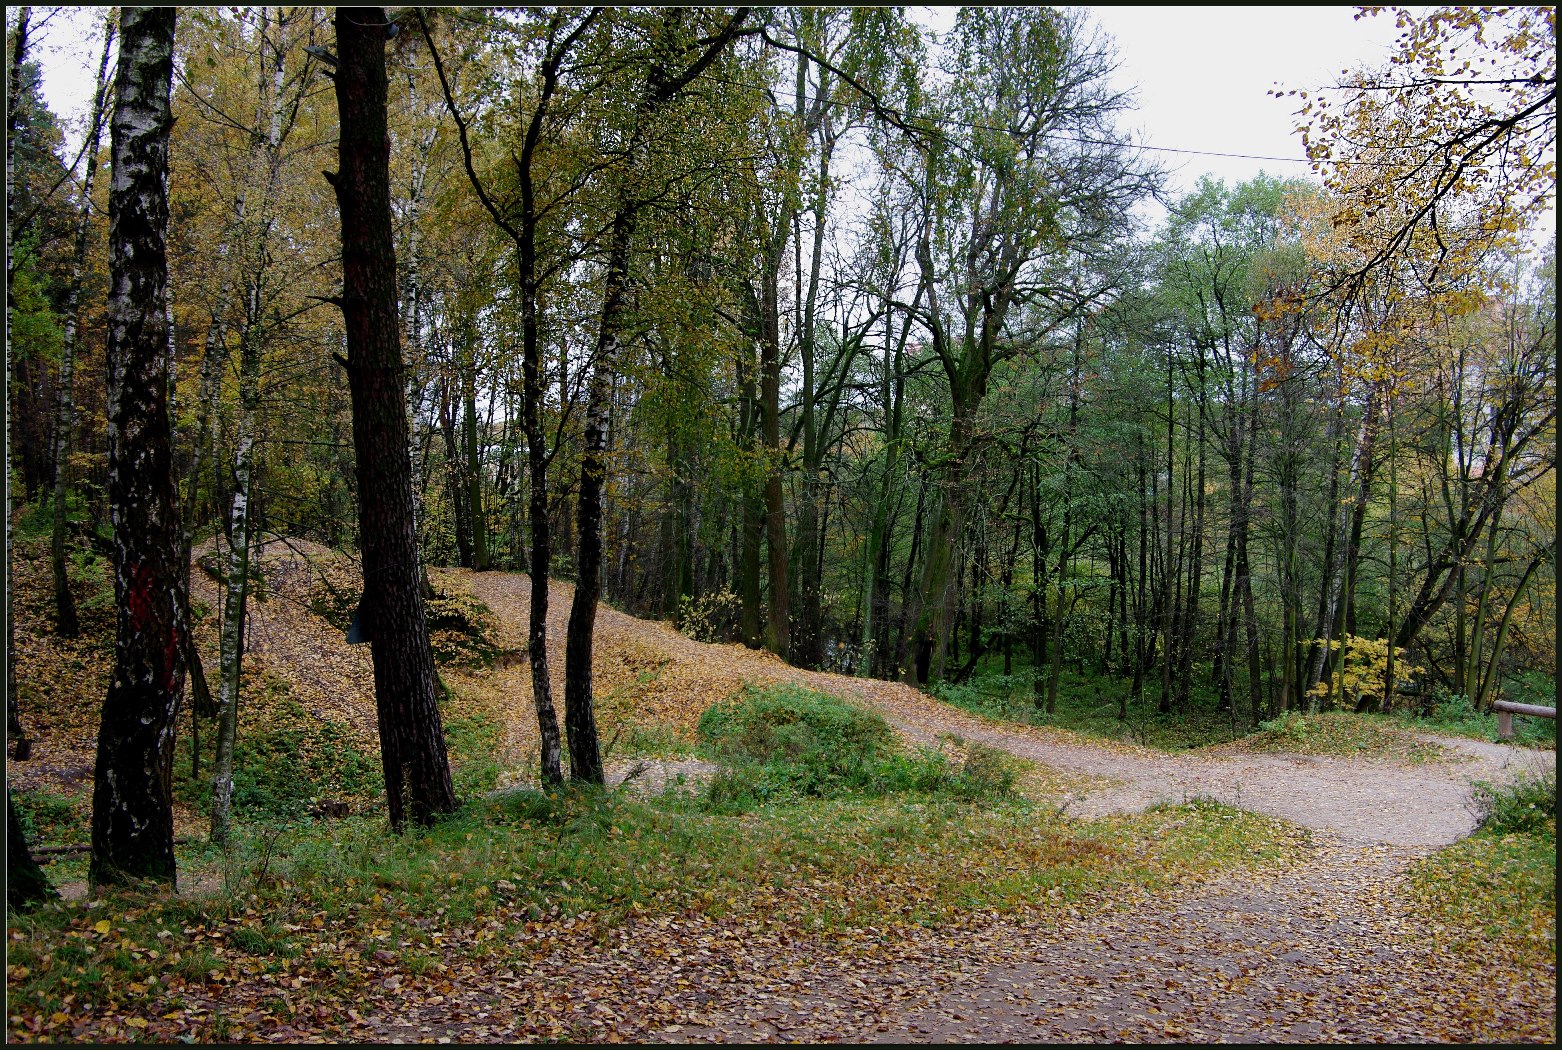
column 1319, row 951
column 1363, row 801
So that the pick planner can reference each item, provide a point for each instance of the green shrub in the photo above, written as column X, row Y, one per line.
column 283, row 761
column 987, row 773
column 785, row 741
column 46, row 816
column 1528, row 804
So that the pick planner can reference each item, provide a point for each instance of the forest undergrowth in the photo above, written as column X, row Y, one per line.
column 818, row 823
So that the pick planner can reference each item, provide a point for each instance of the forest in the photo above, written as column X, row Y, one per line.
column 803, row 330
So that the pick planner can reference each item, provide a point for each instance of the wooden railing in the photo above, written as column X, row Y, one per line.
column 1506, row 709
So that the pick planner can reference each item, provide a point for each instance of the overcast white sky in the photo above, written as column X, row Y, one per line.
column 1202, row 75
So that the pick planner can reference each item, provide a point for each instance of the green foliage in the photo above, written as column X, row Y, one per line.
column 48, row 817
column 1526, row 805
column 1089, row 704
column 786, row 742
column 283, row 760
column 1455, row 715
column 94, row 576
column 35, row 329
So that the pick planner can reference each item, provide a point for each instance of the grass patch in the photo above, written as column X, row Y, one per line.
column 1496, row 891
column 784, row 742
column 1340, row 733
column 1456, row 716
column 1089, row 705
column 49, row 818
column 514, row 877
column 648, row 741
column 284, row 758
column 473, row 739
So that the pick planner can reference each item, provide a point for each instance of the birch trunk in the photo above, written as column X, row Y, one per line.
column 132, row 805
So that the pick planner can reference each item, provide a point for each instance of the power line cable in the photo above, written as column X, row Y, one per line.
column 974, row 126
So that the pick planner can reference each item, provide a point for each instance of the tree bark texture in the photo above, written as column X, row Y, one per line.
column 412, row 740
column 132, row 802
column 580, row 727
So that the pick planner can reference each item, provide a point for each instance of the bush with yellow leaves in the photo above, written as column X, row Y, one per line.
column 1365, row 665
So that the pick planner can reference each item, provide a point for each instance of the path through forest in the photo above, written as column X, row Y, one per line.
column 1318, row 950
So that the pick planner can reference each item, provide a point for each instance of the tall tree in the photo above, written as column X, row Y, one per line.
column 1006, row 208
column 680, row 53
column 132, row 801
column 255, row 234
column 64, row 604
column 412, row 740
column 8, row 629
column 521, row 218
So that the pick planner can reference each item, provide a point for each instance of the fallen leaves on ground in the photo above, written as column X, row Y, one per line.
column 1313, row 942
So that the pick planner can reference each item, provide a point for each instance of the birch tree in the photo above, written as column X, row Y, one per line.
column 132, row 801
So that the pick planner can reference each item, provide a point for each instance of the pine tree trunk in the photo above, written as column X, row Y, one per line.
column 132, row 803
column 412, row 740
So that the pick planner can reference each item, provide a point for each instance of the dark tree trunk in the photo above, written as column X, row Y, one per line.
column 753, row 524
column 908, row 607
column 8, row 631
column 25, row 883
column 580, row 727
column 132, row 801
column 477, row 521
column 579, row 718
column 540, row 552
column 412, row 741
column 455, row 478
